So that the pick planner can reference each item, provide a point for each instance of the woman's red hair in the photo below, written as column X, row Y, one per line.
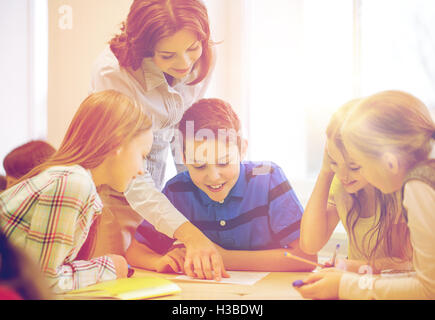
column 149, row 21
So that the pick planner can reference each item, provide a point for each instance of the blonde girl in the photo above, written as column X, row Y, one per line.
column 390, row 135
column 369, row 217
column 49, row 211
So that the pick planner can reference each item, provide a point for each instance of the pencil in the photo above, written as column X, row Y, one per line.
column 292, row 256
column 335, row 254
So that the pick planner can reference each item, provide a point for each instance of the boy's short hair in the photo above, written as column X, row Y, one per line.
column 211, row 114
column 24, row 158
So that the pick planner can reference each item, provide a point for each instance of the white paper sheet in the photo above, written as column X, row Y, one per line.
column 236, row 277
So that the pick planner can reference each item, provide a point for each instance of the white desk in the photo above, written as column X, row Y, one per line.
column 275, row 286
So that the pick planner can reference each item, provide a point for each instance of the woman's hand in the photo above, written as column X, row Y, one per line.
column 121, row 266
column 173, row 261
column 202, row 259
column 322, row 285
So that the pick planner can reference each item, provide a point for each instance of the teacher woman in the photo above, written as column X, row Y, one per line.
column 163, row 60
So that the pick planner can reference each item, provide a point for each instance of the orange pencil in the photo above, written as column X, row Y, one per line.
column 292, row 256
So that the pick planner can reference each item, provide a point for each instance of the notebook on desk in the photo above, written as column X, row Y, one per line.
column 126, row 289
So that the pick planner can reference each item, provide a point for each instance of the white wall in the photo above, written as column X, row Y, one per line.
column 94, row 22
column 73, row 46
column 15, row 128
column 227, row 29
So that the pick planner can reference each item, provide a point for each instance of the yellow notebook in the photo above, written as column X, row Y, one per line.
column 126, row 289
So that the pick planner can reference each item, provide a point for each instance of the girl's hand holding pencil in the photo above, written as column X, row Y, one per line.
column 323, row 284
column 320, row 285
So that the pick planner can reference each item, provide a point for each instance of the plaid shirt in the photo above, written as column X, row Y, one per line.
column 49, row 215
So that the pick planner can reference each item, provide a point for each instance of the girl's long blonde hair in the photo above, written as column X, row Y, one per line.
column 104, row 121
column 391, row 121
column 389, row 208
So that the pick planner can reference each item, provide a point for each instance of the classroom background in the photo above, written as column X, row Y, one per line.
column 284, row 65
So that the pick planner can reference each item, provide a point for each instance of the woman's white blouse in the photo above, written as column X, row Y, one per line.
column 166, row 104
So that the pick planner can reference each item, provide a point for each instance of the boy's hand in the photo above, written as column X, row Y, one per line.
column 173, row 261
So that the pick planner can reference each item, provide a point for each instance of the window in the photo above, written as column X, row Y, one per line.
column 308, row 57
column 301, row 66
column 287, row 65
column 24, row 73
column 398, row 47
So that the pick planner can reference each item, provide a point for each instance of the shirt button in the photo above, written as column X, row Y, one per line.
column 222, row 223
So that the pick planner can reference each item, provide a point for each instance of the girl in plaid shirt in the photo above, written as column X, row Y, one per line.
column 50, row 210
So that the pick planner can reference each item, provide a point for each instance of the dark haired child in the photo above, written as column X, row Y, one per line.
column 24, row 158
column 248, row 209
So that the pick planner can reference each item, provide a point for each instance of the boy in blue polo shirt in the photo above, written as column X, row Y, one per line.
column 247, row 208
